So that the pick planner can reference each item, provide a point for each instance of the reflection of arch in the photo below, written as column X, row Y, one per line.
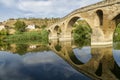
column 100, row 16
column 116, row 70
column 82, row 54
column 58, row 47
column 99, row 70
column 74, row 59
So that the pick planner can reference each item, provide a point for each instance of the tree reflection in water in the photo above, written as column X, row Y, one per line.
column 97, row 62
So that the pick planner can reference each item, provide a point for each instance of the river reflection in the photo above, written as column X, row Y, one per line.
column 58, row 61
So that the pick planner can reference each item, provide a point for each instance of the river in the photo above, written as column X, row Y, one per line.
column 59, row 61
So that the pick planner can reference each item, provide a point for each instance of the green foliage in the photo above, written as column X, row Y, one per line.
column 116, row 45
column 4, row 45
column 25, row 36
column 116, row 37
column 44, row 35
column 82, row 34
column 43, row 26
column 36, row 26
column 118, row 26
column 3, row 32
column 20, row 26
column 21, row 48
column 2, row 37
column 29, row 36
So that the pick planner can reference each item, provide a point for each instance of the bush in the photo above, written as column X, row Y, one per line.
column 3, row 32
column 116, row 37
column 82, row 35
column 20, row 26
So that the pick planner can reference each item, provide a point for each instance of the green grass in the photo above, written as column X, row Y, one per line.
column 28, row 37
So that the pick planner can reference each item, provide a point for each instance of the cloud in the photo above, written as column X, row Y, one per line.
column 52, row 7
column 40, row 57
column 16, row 68
column 34, row 6
column 8, row 3
column 41, row 8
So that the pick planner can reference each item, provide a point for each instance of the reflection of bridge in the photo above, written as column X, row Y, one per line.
column 100, row 67
column 102, row 18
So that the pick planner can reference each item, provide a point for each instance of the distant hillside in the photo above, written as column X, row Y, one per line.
column 37, row 21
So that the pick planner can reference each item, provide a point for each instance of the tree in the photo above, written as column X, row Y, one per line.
column 43, row 26
column 82, row 34
column 20, row 26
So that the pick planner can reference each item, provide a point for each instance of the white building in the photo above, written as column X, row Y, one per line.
column 2, row 27
column 30, row 27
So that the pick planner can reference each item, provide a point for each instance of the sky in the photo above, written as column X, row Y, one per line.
column 40, row 8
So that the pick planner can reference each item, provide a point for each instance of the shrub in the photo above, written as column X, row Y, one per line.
column 20, row 26
column 29, row 36
column 82, row 35
column 3, row 32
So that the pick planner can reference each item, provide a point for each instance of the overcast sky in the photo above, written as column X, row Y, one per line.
column 40, row 8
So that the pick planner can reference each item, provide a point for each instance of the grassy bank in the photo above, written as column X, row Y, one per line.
column 28, row 36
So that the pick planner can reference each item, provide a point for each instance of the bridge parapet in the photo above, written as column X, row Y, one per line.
column 93, row 6
column 90, row 7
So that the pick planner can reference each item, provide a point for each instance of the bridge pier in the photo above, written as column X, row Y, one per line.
column 98, row 38
column 101, row 37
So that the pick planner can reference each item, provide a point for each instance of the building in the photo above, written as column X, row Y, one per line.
column 2, row 27
column 30, row 27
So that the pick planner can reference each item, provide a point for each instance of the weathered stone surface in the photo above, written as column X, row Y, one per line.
column 102, row 18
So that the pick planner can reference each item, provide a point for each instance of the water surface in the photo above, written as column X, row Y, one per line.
column 58, row 61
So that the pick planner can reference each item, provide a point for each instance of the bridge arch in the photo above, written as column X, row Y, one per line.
column 57, row 31
column 100, row 16
column 117, row 19
column 49, row 33
column 72, row 20
column 76, row 22
column 56, row 28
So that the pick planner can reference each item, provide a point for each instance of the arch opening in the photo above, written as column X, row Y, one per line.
column 49, row 32
column 116, row 34
column 79, row 30
column 56, row 28
column 100, row 16
column 57, row 31
column 117, row 19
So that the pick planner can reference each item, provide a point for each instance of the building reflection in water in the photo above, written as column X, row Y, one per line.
column 100, row 64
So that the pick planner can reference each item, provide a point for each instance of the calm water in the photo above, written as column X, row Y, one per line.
column 59, row 61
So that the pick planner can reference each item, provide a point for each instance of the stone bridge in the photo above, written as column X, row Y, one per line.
column 101, row 65
column 102, row 18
